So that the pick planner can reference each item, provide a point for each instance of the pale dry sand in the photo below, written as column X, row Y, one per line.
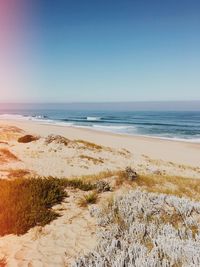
column 58, row 243
column 145, row 154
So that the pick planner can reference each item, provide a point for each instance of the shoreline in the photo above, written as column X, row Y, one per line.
column 87, row 128
column 179, row 152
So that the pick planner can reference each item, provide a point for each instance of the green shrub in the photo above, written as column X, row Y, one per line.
column 25, row 203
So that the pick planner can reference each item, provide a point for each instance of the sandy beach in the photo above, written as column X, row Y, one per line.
column 142, row 150
column 99, row 133
column 66, row 152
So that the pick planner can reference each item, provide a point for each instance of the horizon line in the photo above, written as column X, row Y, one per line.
column 101, row 102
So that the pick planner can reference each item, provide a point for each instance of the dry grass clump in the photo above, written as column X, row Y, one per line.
column 93, row 160
column 58, row 139
column 182, row 187
column 126, row 176
column 121, row 178
column 88, row 145
column 6, row 156
column 8, row 133
column 99, row 176
column 179, row 186
column 19, row 173
column 25, row 203
column 103, row 186
column 90, row 198
column 146, row 229
column 28, row 138
column 172, row 185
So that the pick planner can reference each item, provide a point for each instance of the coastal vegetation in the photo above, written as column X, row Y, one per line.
column 142, row 214
column 18, row 173
column 28, row 138
column 90, row 198
column 92, row 159
column 57, row 139
column 171, row 185
column 139, row 228
column 25, row 203
column 166, row 184
column 77, row 183
column 89, row 145
column 7, row 156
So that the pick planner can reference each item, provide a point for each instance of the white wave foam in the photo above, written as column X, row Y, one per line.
column 18, row 117
column 13, row 117
column 190, row 140
column 93, row 118
column 116, row 129
column 62, row 123
column 176, row 139
column 39, row 118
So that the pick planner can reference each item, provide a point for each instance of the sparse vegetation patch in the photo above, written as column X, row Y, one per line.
column 19, row 173
column 102, row 186
column 89, row 145
column 77, row 183
column 172, row 185
column 28, row 138
column 58, row 139
column 90, row 198
column 6, row 156
column 92, row 159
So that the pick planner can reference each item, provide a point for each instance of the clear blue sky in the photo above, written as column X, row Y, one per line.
column 88, row 50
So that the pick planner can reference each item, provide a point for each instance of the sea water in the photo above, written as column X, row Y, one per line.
column 175, row 125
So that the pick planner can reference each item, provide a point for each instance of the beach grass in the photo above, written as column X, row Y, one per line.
column 90, row 198
column 77, row 183
column 173, row 185
column 89, row 145
column 166, row 184
column 92, row 159
column 25, row 203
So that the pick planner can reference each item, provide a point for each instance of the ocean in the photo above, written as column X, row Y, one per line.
column 174, row 125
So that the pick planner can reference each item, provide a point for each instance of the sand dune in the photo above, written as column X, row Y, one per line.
column 72, row 152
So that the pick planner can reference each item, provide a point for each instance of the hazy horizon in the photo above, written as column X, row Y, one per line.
column 121, row 106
